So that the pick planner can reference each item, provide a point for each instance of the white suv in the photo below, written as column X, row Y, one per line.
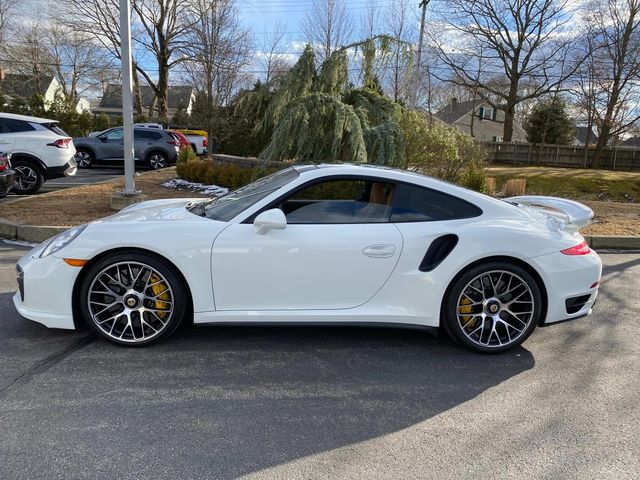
column 40, row 150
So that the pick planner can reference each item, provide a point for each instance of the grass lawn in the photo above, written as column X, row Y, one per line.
column 82, row 204
column 576, row 183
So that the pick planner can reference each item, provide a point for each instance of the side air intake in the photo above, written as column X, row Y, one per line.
column 439, row 249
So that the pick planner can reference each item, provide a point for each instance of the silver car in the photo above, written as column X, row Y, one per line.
column 153, row 148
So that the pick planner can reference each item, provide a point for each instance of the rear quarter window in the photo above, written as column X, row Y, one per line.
column 418, row 204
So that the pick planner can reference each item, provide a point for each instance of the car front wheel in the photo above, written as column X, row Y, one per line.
column 493, row 307
column 29, row 178
column 133, row 299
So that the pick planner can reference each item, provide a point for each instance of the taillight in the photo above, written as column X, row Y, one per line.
column 205, row 143
column 61, row 143
column 582, row 249
column 175, row 143
column 4, row 163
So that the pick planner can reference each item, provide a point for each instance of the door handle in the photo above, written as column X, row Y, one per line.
column 379, row 251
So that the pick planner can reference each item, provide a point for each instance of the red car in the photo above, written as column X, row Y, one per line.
column 181, row 139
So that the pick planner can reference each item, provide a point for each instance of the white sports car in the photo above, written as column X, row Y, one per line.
column 329, row 244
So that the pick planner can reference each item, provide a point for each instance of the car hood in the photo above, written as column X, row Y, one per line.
column 157, row 210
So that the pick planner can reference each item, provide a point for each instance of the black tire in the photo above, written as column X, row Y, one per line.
column 29, row 177
column 84, row 158
column 502, row 338
column 157, row 160
column 194, row 148
column 179, row 297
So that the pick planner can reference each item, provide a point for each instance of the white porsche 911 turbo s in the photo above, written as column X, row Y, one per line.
column 328, row 244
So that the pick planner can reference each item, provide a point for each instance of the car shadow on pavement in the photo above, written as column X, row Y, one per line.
column 220, row 402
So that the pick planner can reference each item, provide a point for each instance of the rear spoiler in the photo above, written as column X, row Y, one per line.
column 566, row 214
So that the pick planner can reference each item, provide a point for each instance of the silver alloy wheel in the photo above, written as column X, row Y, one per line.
column 157, row 160
column 83, row 159
column 495, row 308
column 26, row 177
column 130, row 302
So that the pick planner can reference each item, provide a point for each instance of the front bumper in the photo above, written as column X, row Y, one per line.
column 569, row 284
column 45, row 290
column 69, row 169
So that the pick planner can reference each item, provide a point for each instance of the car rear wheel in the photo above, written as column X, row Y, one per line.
column 158, row 160
column 84, row 158
column 493, row 307
column 132, row 299
column 29, row 178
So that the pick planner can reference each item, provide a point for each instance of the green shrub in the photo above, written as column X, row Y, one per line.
column 186, row 154
column 213, row 173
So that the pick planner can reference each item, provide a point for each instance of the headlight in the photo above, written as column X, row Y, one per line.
column 62, row 240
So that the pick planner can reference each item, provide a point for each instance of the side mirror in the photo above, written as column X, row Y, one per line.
column 102, row 139
column 273, row 219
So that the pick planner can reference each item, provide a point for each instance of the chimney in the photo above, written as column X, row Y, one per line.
column 454, row 103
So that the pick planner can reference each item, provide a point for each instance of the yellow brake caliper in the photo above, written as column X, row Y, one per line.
column 466, row 311
column 161, row 292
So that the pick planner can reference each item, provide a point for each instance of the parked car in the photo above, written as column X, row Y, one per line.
column 40, row 150
column 153, row 148
column 7, row 175
column 198, row 143
column 331, row 244
column 182, row 140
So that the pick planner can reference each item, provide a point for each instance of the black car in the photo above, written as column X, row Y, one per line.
column 7, row 176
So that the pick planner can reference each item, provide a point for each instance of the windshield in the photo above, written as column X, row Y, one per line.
column 227, row 207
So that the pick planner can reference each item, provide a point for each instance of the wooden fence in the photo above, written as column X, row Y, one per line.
column 613, row 158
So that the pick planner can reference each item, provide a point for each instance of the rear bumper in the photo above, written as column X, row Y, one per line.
column 67, row 170
column 569, row 284
column 6, row 182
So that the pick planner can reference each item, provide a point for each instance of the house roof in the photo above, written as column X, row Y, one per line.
column 24, row 86
column 454, row 110
column 581, row 135
column 631, row 142
column 179, row 96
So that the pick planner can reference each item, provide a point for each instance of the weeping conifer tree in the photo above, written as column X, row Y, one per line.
column 321, row 117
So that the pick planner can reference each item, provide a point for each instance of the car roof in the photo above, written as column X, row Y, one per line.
column 25, row 118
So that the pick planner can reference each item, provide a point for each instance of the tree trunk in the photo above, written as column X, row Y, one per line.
column 163, row 90
column 137, row 93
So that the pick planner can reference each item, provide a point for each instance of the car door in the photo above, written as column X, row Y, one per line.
column 111, row 145
column 336, row 251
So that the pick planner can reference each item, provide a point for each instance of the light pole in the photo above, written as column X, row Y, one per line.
column 127, row 97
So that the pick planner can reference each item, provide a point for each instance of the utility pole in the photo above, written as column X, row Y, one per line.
column 127, row 97
column 418, row 64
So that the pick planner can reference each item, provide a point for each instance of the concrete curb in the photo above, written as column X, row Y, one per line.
column 37, row 234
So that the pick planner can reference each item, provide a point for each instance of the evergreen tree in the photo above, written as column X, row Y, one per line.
column 549, row 122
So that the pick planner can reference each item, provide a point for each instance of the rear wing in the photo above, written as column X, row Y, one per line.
column 567, row 215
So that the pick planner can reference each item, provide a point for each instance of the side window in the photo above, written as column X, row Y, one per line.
column 9, row 125
column 417, row 204
column 340, row 201
column 113, row 135
column 146, row 135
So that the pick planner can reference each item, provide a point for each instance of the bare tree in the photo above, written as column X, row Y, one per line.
column 524, row 39
column 273, row 59
column 6, row 11
column 398, row 23
column 100, row 20
column 327, row 27
column 161, row 29
column 219, row 48
column 27, row 55
column 371, row 19
column 79, row 62
column 614, row 27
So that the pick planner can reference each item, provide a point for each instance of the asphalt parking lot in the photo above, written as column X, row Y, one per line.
column 82, row 177
column 324, row 402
